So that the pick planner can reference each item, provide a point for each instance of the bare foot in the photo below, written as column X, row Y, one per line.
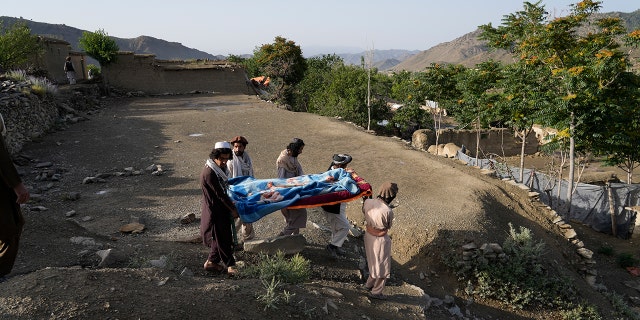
column 212, row 267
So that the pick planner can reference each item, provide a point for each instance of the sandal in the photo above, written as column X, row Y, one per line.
column 378, row 296
column 232, row 271
column 212, row 267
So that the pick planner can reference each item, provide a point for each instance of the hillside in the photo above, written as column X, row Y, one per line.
column 468, row 50
column 163, row 50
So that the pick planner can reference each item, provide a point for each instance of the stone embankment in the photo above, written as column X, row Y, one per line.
column 29, row 116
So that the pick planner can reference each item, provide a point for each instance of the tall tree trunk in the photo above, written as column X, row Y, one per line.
column 369, row 65
column 477, row 141
column 523, row 137
column 572, row 162
column 612, row 210
column 369, row 99
column 437, row 122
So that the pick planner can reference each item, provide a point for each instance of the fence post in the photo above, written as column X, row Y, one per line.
column 612, row 210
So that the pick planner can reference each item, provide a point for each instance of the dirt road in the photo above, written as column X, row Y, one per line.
column 57, row 275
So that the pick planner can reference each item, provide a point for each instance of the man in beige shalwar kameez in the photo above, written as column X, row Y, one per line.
column 289, row 167
column 377, row 243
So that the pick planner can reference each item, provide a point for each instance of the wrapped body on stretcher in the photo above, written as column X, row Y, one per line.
column 256, row 198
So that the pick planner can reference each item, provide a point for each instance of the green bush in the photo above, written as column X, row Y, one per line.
column 93, row 70
column 581, row 312
column 278, row 267
column 39, row 85
column 17, row 46
column 620, row 306
column 17, row 75
column 606, row 250
column 626, row 259
column 275, row 270
column 42, row 86
column 521, row 280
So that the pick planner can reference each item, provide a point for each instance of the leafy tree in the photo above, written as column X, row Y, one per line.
column 317, row 77
column 581, row 67
column 409, row 87
column 409, row 118
column 622, row 136
column 524, row 100
column 440, row 86
column 343, row 93
column 479, row 97
column 283, row 62
column 17, row 46
column 101, row 47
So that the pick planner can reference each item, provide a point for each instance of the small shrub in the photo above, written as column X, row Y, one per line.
column 42, row 86
column 39, row 85
column 17, row 75
column 626, row 259
column 274, row 270
column 520, row 281
column 581, row 312
column 293, row 270
column 270, row 298
column 93, row 70
column 606, row 250
column 137, row 262
column 620, row 307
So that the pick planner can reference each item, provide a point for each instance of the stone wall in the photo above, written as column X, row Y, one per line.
column 499, row 141
column 28, row 116
column 136, row 72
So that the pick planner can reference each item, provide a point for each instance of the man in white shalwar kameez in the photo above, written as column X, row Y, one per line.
column 336, row 213
column 377, row 243
column 239, row 166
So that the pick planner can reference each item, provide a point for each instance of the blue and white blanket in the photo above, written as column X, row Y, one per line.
column 256, row 198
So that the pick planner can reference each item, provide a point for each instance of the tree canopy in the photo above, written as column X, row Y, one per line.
column 99, row 46
column 17, row 46
column 578, row 71
column 282, row 61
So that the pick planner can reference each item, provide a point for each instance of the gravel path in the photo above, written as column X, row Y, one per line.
column 439, row 201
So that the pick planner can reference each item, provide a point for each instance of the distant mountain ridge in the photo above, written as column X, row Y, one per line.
column 382, row 59
column 164, row 50
column 468, row 50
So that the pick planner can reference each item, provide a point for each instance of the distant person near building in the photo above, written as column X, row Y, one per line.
column 71, row 72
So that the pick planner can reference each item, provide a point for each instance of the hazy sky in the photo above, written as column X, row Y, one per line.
column 239, row 26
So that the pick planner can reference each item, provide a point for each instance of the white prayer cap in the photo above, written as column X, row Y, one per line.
column 222, row 145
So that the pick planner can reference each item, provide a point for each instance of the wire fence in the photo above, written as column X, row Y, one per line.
column 590, row 204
